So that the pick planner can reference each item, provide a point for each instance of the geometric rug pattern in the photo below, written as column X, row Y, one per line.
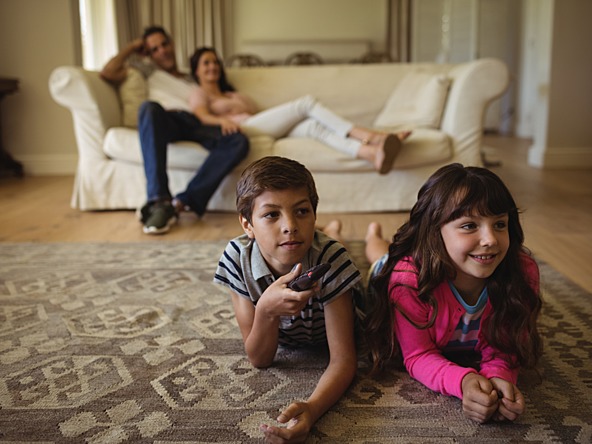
column 117, row 343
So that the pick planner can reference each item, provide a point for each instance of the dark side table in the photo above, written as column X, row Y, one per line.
column 7, row 163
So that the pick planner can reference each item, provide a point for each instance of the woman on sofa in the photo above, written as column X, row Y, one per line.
column 216, row 102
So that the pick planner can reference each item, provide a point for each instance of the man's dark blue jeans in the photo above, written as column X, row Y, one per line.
column 158, row 128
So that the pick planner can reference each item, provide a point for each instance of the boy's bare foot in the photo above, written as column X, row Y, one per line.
column 333, row 229
column 376, row 245
column 374, row 231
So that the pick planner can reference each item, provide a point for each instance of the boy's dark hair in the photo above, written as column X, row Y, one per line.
column 272, row 173
column 154, row 30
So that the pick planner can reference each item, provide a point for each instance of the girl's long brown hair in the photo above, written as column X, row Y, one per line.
column 452, row 192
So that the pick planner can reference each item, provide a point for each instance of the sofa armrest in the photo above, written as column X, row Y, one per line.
column 94, row 105
column 474, row 86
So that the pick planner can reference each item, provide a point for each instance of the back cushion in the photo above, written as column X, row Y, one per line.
column 416, row 102
column 169, row 91
column 132, row 92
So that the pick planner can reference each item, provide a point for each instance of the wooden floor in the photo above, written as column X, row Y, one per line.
column 556, row 205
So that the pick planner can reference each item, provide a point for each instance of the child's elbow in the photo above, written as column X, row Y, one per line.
column 260, row 362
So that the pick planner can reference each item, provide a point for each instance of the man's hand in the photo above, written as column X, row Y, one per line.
column 137, row 45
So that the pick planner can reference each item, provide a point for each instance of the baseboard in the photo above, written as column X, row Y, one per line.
column 560, row 157
column 49, row 164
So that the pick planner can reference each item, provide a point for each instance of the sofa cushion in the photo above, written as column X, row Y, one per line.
column 123, row 144
column 423, row 147
column 417, row 101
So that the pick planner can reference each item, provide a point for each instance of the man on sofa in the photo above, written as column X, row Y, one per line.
column 167, row 119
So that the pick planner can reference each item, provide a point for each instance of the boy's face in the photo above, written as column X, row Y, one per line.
column 283, row 225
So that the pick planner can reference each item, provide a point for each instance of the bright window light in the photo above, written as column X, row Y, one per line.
column 99, row 34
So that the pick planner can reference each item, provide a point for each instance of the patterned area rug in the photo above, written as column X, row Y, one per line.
column 109, row 343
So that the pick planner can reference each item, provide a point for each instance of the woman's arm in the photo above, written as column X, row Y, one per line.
column 198, row 102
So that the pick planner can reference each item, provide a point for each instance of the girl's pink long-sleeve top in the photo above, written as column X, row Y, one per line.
column 422, row 348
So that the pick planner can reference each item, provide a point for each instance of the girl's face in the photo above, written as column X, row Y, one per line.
column 476, row 245
column 283, row 223
column 208, row 68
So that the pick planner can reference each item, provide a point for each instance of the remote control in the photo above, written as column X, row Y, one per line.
column 306, row 280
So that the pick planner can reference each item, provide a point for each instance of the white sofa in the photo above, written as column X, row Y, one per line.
column 110, row 174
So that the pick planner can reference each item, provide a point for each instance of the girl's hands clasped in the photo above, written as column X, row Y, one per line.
column 511, row 400
column 480, row 400
column 494, row 398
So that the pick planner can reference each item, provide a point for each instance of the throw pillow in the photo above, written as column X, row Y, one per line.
column 132, row 92
column 417, row 102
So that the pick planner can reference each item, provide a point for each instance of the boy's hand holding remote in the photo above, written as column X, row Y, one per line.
column 280, row 300
column 309, row 278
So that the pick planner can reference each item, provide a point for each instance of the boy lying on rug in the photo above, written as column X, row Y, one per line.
column 277, row 202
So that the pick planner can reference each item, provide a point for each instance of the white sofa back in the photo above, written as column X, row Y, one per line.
column 107, row 179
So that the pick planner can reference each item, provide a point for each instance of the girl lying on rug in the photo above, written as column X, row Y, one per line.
column 457, row 293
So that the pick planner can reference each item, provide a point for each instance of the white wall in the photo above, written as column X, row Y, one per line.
column 456, row 31
column 35, row 37
column 337, row 30
column 561, row 84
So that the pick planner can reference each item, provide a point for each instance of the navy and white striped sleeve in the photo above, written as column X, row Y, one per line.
column 343, row 275
column 229, row 272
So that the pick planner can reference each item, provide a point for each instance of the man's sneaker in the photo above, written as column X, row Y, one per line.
column 162, row 218
column 143, row 212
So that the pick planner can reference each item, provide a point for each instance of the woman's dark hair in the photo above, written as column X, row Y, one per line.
column 451, row 192
column 194, row 63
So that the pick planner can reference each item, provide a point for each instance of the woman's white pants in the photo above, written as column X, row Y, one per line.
column 304, row 117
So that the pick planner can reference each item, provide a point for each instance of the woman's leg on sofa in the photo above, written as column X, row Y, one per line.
column 381, row 153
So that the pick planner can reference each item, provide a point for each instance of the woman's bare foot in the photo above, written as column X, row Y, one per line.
column 389, row 146
column 381, row 149
column 386, row 154
column 376, row 245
